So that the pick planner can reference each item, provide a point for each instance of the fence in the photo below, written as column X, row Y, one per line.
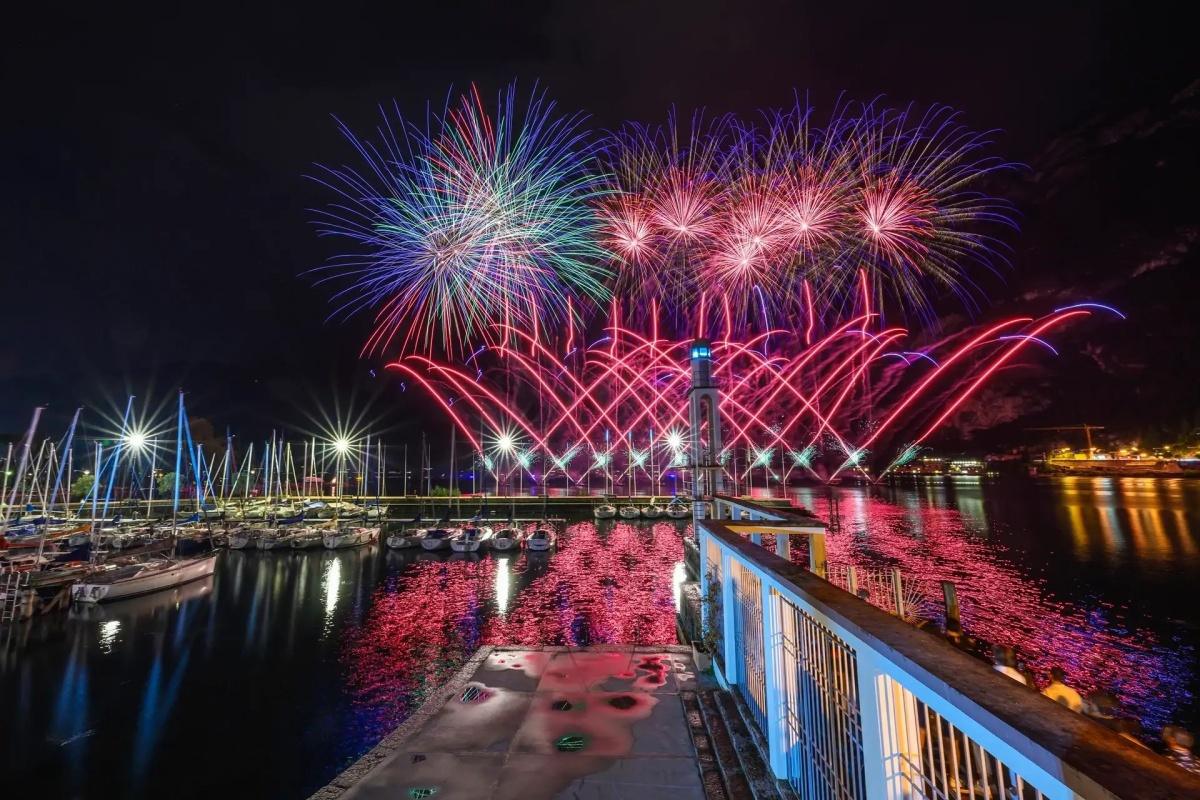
column 855, row 704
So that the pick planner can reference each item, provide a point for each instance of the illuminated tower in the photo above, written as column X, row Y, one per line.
column 704, row 401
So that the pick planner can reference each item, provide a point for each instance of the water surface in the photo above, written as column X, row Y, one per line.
column 273, row 675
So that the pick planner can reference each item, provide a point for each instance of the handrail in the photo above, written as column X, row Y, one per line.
column 1086, row 759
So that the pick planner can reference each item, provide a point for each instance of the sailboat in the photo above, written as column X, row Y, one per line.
column 506, row 539
column 471, row 539
column 678, row 510
column 117, row 581
column 340, row 538
column 540, row 540
column 604, row 511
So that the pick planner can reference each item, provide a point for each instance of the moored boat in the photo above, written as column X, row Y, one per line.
column 349, row 537
column 541, row 539
column 606, row 511
column 652, row 511
column 114, row 582
column 471, row 539
column 677, row 510
column 306, row 539
column 402, row 540
column 243, row 538
column 436, row 539
column 506, row 539
column 629, row 512
column 275, row 539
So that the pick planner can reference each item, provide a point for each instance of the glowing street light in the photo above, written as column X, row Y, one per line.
column 342, row 446
column 135, row 441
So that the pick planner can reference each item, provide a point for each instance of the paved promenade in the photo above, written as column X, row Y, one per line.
column 605, row 722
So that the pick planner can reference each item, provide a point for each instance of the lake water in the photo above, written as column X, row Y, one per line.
column 269, row 678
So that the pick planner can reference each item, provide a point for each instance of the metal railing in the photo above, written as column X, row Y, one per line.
column 855, row 704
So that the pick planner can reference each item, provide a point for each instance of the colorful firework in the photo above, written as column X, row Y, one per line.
column 854, row 400
column 760, row 212
column 478, row 219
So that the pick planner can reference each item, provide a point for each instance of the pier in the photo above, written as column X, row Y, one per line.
column 603, row 721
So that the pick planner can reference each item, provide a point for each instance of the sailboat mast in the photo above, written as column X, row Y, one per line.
column 37, row 415
column 116, row 457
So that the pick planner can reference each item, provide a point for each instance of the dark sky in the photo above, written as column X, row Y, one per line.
column 154, row 206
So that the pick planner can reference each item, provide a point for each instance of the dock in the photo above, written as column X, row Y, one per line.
column 546, row 722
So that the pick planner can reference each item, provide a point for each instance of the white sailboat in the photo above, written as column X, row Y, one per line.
column 678, row 510
column 652, row 511
column 540, row 540
column 606, row 511
column 506, row 539
column 471, row 539
column 114, row 582
column 629, row 512
column 437, row 539
column 402, row 540
column 349, row 537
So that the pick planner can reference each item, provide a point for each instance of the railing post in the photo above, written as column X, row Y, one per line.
column 816, row 554
column 874, row 715
column 730, row 658
column 772, row 664
column 898, row 592
column 783, row 546
column 852, row 580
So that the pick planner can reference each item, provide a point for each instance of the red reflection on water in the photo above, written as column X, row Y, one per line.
column 598, row 587
column 1002, row 605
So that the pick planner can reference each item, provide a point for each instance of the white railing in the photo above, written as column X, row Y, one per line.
column 855, row 704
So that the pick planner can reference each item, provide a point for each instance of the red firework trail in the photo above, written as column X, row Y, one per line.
column 850, row 398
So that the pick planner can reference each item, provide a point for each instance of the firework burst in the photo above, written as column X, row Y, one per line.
column 759, row 212
column 477, row 219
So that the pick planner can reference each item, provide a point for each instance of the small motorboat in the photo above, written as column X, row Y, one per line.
column 540, row 540
column 652, row 511
column 678, row 510
column 506, row 539
column 437, row 539
column 471, row 539
column 606, row 511
column 350, row 537
column 114, row 582
column 629, row 512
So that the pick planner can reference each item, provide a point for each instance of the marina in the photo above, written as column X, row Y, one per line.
column 382, row 629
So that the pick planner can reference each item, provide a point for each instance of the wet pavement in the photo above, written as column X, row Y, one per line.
column 531, row 723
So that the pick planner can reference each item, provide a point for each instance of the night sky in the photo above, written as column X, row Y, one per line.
column 155, row 222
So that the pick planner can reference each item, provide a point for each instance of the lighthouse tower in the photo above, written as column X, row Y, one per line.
column 704, row 401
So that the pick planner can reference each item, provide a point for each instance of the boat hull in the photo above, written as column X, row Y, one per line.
column 184, row 572
column 343, row 540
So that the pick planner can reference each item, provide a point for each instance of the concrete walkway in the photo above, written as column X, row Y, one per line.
column 526, row 724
